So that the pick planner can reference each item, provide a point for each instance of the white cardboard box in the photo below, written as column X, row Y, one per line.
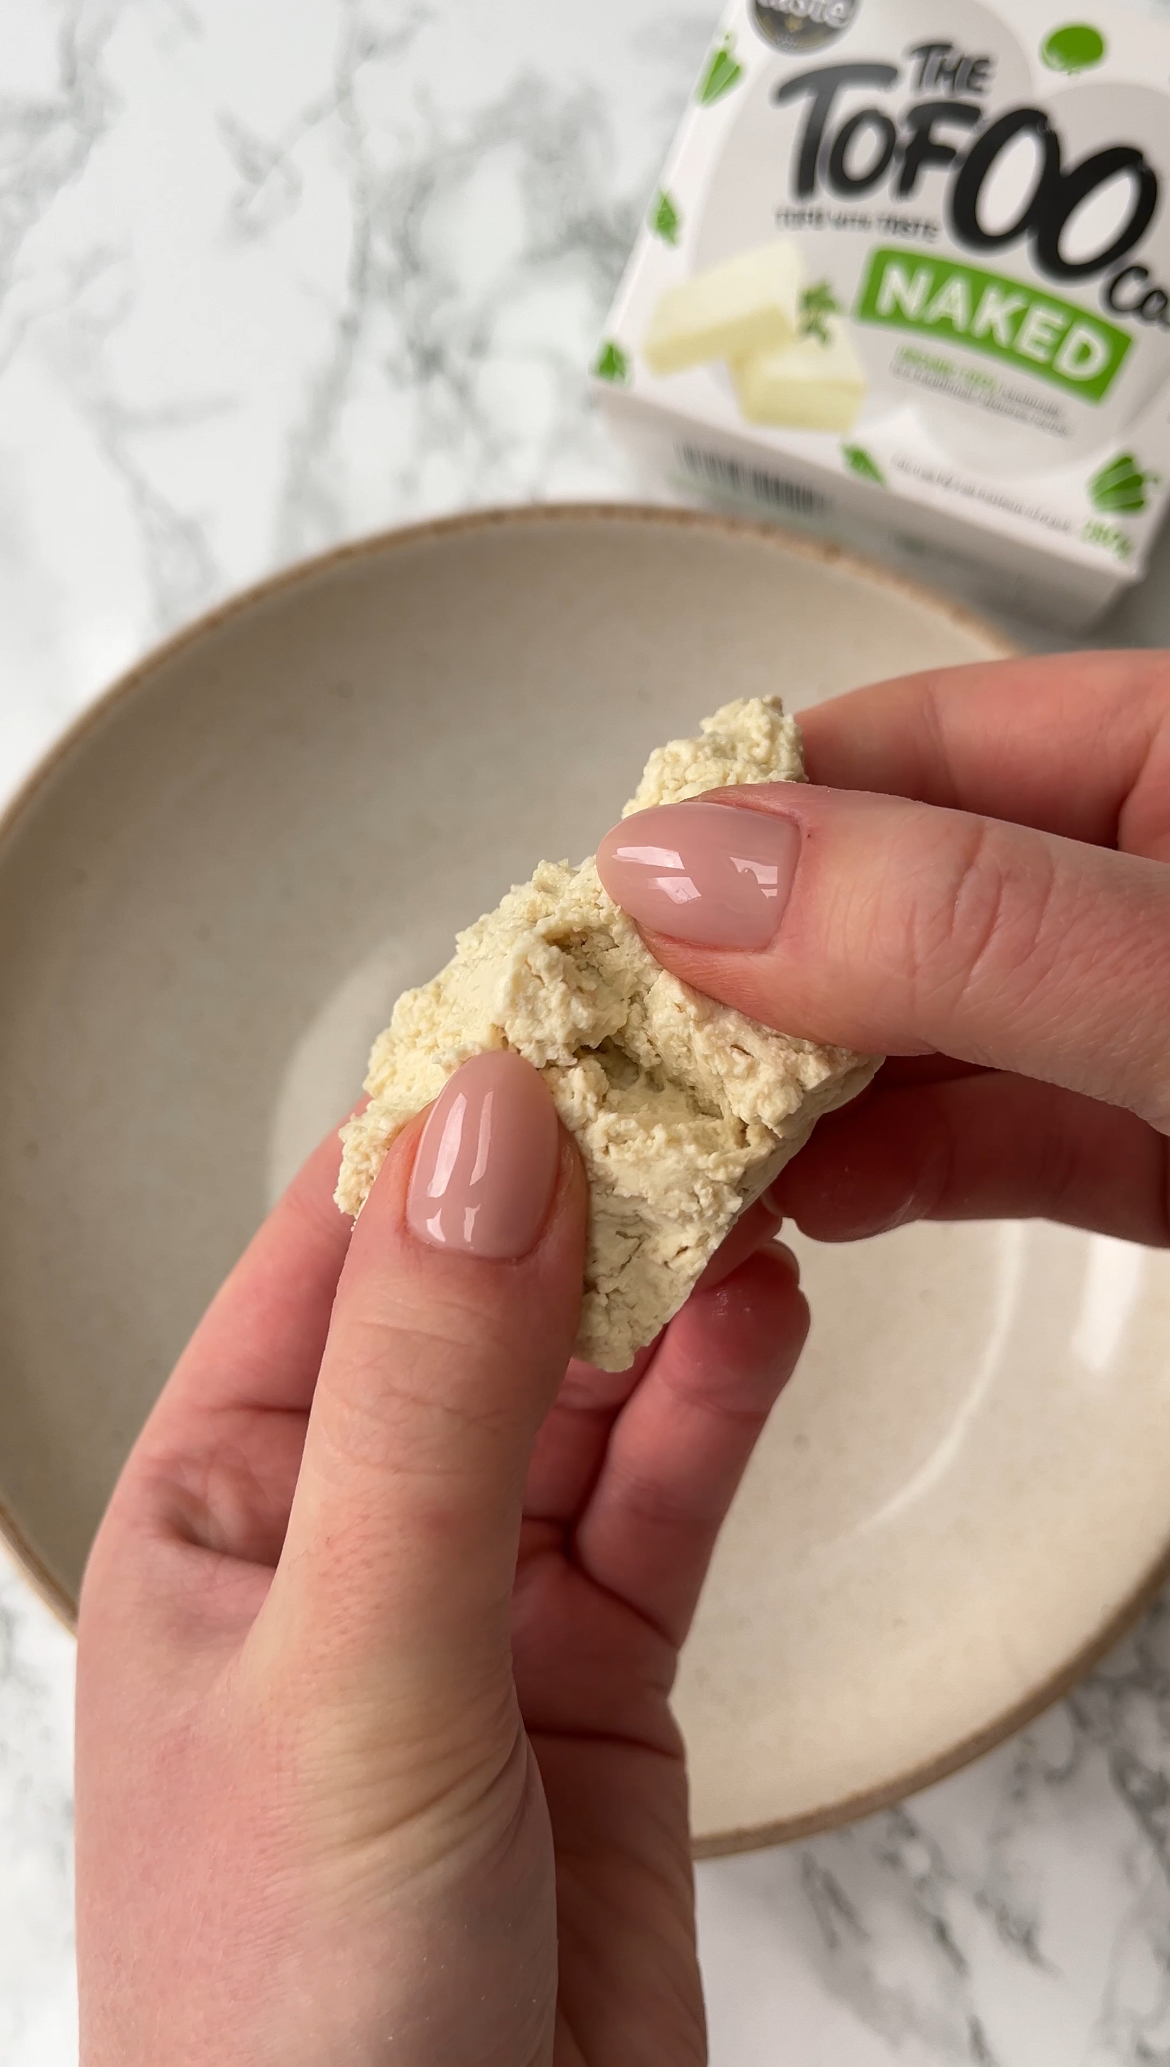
column 971, row 204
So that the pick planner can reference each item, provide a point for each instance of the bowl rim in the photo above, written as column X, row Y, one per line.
column 791, row 543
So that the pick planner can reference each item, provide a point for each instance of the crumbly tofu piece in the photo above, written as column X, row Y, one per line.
column 683, row 1111
column 750, row 304
column 809, row 386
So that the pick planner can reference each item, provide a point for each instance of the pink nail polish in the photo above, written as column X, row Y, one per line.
column 708, row 873
column 487, row 1162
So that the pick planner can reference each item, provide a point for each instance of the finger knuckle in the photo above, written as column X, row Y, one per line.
column 986, row 922
column 659, row 1500
column 403, row 1388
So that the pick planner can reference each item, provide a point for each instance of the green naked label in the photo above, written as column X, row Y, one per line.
column 1035, row 332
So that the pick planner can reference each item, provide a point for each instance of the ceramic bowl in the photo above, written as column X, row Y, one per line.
column 210, row 895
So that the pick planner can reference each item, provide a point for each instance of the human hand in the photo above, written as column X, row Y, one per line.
column 997, row 920
column 375, row 1758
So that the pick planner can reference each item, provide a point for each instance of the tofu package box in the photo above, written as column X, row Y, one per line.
column 907, row 280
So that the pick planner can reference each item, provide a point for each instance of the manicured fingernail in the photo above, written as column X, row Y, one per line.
column 487, row 1161
column 708, row 873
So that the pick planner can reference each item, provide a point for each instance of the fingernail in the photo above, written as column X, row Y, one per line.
column 708, row 873
column 487, row 1161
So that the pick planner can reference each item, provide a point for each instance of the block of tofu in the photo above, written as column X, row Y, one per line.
column 683, row 1111
column 750, row 304
column 808, row 386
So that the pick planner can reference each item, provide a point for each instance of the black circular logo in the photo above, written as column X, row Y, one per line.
column 802, row 25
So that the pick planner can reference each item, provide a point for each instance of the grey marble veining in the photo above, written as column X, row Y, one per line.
column 272, row 275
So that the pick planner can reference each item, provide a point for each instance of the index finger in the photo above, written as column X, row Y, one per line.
column 897, row 927
column 1076, row 744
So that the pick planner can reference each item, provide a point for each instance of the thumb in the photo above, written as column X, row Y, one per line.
column 898, row 928
column 453, row 1323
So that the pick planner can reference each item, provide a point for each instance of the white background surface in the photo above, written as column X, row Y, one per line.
column 273, row 272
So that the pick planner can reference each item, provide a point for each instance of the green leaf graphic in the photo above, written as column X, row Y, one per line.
column 723, row 72
column 1121, row 486
column 1120, row 469
column 664, row 218
column 856, row 457
column 612, row 363
column 1074, row 48
column 817, row 304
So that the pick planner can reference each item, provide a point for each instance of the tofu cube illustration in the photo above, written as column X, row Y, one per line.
column 749, row 304
column 808, row 386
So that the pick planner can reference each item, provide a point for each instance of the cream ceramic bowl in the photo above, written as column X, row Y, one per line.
column 209, row 898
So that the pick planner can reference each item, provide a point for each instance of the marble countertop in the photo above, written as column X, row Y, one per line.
column 272, row 275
